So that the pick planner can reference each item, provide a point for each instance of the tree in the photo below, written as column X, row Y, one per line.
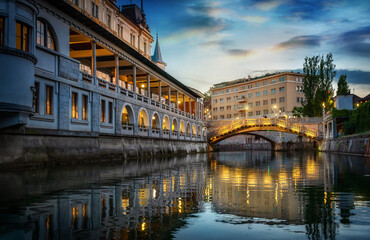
column 317, row 84
column 343, row 88
column 297, row 111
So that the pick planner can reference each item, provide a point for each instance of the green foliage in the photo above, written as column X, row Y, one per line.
column 359, row 120
column 341, row 113
column 207, row 94
column 317, row 84
column 297, row 111
column 343, row 88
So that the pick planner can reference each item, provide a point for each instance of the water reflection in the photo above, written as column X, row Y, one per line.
column 317, row 196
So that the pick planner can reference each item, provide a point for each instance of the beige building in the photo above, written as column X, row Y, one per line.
column 270, row 95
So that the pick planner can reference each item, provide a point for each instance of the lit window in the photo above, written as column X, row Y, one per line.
column 74, row 105
column 49, row 100
column 102, row 110
column 22, row 37
column 84, row 107
column 44, row 36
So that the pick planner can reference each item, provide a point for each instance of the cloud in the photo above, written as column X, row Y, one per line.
column 254, row 19
column 355, row 42
column 216, row 43
column 299, row 42
column 267, row 5
column 239, row 52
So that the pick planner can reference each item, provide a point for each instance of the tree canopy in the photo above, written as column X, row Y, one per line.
column 317, row 84
column 343, row 88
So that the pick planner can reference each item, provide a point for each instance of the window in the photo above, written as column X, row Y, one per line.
column 235, row 115
column 258, row 113
column 44, row 36
column 250, row 95
column 273, row 100
column 257, row 84
column 222, row 91
column 221, row 100
column 94, row 10
column 282, row 109
column 108, row 20
column 222, row 116
column 281, row 89
column 273, row 91
column 273, row 81
column 282, row 79
column 215, row 117
column 250, row 104
column 258, row 103
column 102, row 111
column 242, row 114
column 222, row 108
column 120, row 30
column 265, row 83
column 265, row 112
column 36, row 97
column 84, row 107
column 227, row 90
column 144, row 47
column 265, row 92
column 228, row 108
column 228, row 99
column 214, row 100
column 235, row 97
column 250, row 86
column 236, row 106
column 74, row 105
column 228, row 116
column 298, row 99
column 215, row 109
column 250, row 114
column 49, row 100
column 110, row 112
column 22, row 37
column 282, row 99
column 76, row 2
column 258, row 94
column 2, row 31
column 235, row 89
column 265, row 102
column 215, row 93
column 243, row 87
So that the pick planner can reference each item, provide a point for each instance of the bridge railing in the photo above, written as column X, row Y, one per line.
column 294, row 126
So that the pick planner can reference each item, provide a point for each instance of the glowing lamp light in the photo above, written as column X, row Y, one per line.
column 142, row 85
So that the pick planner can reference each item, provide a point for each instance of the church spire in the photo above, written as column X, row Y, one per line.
column 157, row 56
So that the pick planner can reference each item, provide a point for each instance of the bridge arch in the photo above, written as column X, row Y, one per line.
column 188, row 129
column 182, row 127
column 194, row 130
column 127, row 115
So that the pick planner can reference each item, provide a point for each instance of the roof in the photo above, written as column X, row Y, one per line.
column 241, row 80
column 90, row 23
column 157, row 56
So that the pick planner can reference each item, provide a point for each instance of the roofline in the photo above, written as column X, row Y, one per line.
column 91, row 24
column 252, row 79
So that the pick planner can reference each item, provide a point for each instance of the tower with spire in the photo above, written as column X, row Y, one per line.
column 157, row 56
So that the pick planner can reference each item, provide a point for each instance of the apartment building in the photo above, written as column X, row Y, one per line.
column 266, row 96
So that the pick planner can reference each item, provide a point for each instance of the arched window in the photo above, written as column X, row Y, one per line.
column 44, row 35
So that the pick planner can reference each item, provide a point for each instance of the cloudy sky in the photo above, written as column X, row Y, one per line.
column 205, row 42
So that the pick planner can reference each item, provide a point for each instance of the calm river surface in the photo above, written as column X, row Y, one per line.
column 229, row 195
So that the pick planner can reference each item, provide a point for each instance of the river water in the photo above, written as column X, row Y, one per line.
column 227, row 195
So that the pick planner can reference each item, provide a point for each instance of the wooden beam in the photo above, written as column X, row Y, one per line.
column 122, row 63
column 87, row 53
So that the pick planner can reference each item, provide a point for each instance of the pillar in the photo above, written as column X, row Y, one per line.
column 160, row 91
column 183, row 100
column 190, row 106
column 169, row 96
column 148, row 83
column 116, row 70
column 177, row 99
column 134, row 78
column 93, row 60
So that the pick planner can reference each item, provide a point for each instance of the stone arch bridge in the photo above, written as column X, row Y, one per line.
column 304, row 127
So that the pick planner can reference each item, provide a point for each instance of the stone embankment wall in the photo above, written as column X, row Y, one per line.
column 27, row 150
column 359, row 144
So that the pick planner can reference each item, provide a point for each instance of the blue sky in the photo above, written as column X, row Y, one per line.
column 205, row 42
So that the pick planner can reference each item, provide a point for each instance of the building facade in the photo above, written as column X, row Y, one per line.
column 266, row 96
column 86, row 66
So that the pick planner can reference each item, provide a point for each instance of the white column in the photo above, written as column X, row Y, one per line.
column 160, row 91
column 177, row 99
column 183, row 99
column 190, row 106
column 116, row 70
column 169, row 96
column 134, row 77
column 148, row 83
column 93, row 60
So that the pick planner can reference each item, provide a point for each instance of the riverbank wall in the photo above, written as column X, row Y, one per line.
column 22, row 150
column 358, row 144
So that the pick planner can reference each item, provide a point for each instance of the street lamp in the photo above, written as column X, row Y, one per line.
column 246, row 109
column 275, row 110
column 323, row 109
